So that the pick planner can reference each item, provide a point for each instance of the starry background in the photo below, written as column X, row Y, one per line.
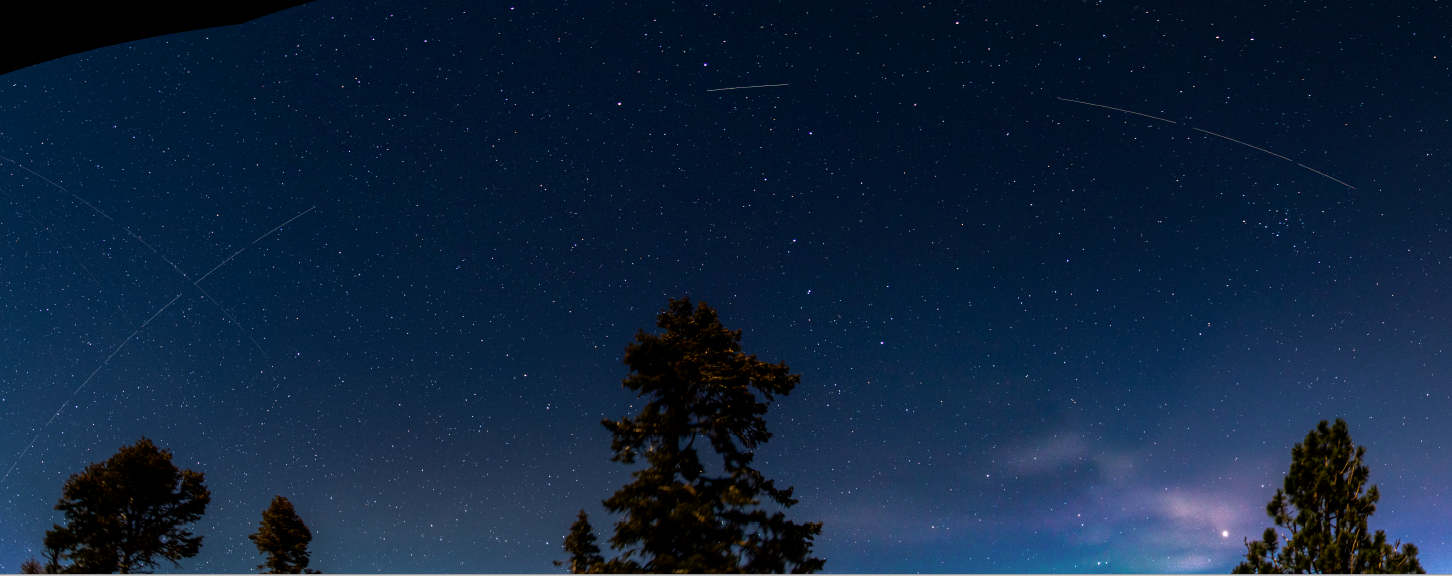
column 1033, row 335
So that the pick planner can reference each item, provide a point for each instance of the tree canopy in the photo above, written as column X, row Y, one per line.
column 124, row 513
column 283, row 538
column 1325, row 509
column 698, row 385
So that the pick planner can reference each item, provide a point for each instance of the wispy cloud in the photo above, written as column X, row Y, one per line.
column 1143, row 521
column 1046, row 455
column 1092, row 504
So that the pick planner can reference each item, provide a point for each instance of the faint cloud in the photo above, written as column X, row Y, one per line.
column 1125, row 511
column 1054, row 453
column 1143, row 508
column 1205, row 512
column 1190, row 563
column 1047, row 455
column 1184, row 530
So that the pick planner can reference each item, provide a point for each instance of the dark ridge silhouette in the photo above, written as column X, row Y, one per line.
column 36, row 32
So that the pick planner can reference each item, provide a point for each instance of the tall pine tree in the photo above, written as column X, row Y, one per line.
column 283, row 538
column 699, row 387
column 123, row 513
column 1325, row 509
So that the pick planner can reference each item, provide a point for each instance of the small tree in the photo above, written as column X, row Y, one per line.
column 580, row 544
column 31, row 566
column 676, row 519
column 284, row 538
column 1325, row 510
column 123, row 513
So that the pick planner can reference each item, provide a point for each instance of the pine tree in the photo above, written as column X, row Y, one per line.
column 123, row 513
column 700, row 386
column 580, row 544
column 284, row 538
column 1325, row 509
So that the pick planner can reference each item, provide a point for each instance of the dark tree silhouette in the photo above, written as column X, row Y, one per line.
column 31, row 566
column 55, row 544
column 284, row 538
column 580, row 544
column 1325, row 510
column 123, row 513
column 700, row 386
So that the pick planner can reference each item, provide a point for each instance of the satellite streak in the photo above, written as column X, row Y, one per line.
column 138, row 330
column 1217, row 136
column 1324, row 174
column 745, row 87
column 149, row 246
column 83, row 385
column 1244, row 144
column 1119, row 109
column 259, row 239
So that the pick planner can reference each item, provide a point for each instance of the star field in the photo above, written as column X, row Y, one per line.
column 1034, row 335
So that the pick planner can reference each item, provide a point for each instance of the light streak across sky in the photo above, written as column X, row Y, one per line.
column 745, row 87
column 1217, row 136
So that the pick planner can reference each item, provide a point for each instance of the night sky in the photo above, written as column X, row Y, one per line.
column 1033, row 335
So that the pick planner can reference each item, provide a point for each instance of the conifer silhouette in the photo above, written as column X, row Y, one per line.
column 699, row 386
column 284, row 538
column 1325, row 509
